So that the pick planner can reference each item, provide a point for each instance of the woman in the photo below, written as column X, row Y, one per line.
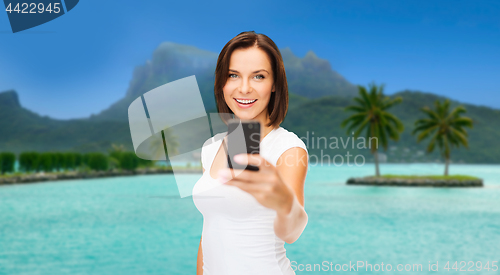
column 248, row 218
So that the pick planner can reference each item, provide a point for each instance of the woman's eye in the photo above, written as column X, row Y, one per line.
column 257, row 76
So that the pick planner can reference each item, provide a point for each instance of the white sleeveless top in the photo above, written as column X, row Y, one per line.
column 238, row 232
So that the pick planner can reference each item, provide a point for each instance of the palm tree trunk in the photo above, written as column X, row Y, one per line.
column 447, row 163
column 377, row 170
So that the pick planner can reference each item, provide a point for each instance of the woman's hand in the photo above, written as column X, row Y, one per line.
column 265, row 185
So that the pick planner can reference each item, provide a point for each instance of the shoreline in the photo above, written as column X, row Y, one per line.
column 414, row 182
column 43, row 177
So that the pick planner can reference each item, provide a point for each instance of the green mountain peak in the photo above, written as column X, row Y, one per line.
column 9, row 99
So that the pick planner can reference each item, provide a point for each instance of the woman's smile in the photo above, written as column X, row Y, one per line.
column 245, row 103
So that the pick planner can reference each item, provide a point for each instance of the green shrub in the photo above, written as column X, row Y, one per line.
column 46, row 162
column 85, row 159
column 145, row 162
column 28, row 161
column 129, row 161
column 115, row 158
column 7, row 161
column 78, row 159
column 97, row 161
column 58, row 161
column 69, row 161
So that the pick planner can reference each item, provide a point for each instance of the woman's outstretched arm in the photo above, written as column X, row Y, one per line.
column 199, row 262
column 279, row 187
column 292, row 220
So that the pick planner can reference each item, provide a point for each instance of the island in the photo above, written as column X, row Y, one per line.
column 418, row 180
column 17, row 178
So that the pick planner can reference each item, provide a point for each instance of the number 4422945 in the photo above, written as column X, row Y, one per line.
column 471, row 266
column 34, row 8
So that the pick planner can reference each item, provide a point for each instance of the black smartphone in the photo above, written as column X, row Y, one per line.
column 243, row 137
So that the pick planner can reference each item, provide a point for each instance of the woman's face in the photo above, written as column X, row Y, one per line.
column 250, row 82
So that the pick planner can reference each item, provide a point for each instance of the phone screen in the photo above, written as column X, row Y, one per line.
column 243, row 137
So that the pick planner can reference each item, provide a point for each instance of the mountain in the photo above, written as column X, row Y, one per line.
column 310, row 76
column 23, row 130
column 314, row 120
column 322, row 117
column 317, row 98
column 313, row 77
column 169, row 62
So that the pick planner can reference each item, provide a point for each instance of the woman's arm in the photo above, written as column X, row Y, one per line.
column 291, row 221
column 199, row 262
column 277, row 187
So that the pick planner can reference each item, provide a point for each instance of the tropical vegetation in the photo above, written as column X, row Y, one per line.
column 34, row 162
column 444, row 128
column 372, row 116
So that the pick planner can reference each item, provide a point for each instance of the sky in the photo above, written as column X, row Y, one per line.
column 82, row 62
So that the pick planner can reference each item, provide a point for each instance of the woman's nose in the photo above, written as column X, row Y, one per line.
column 245, row 86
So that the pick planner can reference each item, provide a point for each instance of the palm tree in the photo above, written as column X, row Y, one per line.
column 372, row 116
column 447, row 128
column 117, row 148
column 156, row 146
column 115, row 153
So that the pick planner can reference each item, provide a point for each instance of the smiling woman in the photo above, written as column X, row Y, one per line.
column 250, row 68
column 248, row 218
column 249, row 88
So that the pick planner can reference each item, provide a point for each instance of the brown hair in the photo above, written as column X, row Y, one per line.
column 278, row 103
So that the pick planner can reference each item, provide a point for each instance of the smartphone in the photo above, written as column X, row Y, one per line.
column 243, row 136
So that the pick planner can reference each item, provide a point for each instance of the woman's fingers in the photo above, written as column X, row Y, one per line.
column 255, row 160
column 252, row 188
column 244, row 175
column 260, row 184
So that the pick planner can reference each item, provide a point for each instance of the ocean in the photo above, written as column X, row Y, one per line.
column 140, row 225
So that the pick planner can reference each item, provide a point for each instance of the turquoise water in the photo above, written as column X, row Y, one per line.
column 140, row 225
